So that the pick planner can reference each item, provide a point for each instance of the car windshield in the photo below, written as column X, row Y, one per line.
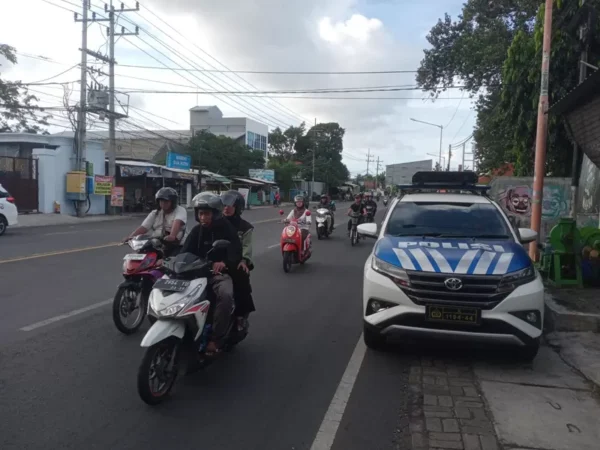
column 440, row 219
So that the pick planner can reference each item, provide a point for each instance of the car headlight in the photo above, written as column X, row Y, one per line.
column 513, row 280
column 396, row 274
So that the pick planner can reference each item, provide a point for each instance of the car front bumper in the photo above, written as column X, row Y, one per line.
column 499, row 325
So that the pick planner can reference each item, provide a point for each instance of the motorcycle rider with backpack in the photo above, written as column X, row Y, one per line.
column 233, row 203
column 212, row 226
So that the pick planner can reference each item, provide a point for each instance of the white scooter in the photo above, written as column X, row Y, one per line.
column 180, row 303
column 324, row 222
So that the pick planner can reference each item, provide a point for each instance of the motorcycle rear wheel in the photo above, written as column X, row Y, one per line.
column 287, row 261
column 147, row 372
column 121, row 303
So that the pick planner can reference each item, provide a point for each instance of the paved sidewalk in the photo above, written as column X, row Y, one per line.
column 493, row 405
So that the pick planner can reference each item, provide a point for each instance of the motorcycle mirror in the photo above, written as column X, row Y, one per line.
column 308, row 213
column 220, row 244
column 281, row 212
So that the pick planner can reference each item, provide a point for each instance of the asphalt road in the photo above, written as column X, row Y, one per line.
column 68, row 377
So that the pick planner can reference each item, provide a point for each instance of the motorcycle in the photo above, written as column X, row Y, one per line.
column 140, row 271
column 292, row 248
column 324, row 222
column 354, row 237
column 370, row 213
column 181, row 304
column 385, row 201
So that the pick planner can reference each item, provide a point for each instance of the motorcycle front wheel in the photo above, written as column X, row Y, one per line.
column 287, row 261
column 354, row 237
column 158, row 371
column 128, row 300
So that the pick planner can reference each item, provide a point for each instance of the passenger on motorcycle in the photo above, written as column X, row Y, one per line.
column 326, row 203
column 213, row 226
column 356, row 207
column 166, row 222
column 370, row 202
column 299, row 214
column 233, row 205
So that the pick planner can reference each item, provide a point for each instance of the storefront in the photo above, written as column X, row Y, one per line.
column 140, row 181
column 184, row 182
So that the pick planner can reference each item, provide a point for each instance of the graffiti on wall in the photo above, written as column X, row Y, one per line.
column 516, row 200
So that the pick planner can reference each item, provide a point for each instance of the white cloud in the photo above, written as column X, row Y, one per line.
column 262, row 35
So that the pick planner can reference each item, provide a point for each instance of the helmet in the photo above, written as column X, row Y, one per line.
column 167, row 193
column 324, row 197
column 234, row 198
column 208, row 200
column 298, row 198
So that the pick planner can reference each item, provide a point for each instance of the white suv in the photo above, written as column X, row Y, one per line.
column 8, row 211
column 448, row 264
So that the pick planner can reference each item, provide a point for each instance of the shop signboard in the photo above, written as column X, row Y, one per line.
column 245, row 193
column 137, row 171
column 262, row 174
column 103, row 185
column 117, row 196
column 179, row 161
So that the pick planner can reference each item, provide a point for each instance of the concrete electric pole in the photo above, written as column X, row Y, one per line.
column 449, row 157
column 369, row 160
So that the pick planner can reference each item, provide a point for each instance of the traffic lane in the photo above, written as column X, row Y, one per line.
column 23, row 242
column 271, row 393
column 38, row 289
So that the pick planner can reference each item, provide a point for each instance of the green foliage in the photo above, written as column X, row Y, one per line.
column 510, row 70
column 223, row 155
column 296, row 145
column 17, row 108
column 285, row 172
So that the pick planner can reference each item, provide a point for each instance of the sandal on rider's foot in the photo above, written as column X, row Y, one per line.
column 212, row 350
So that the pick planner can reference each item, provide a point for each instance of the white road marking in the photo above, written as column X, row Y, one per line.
column 333, row 417
column 75, row 312
column 273, row 246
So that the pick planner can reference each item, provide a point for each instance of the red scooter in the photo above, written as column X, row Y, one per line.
column 292, row 248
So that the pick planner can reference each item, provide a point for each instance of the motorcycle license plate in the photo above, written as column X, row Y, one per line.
column 166, row 284
column 134, row 257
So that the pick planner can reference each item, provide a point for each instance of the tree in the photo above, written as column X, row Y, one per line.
column 282, row 144
column 285, row 172
column 510, row 70
column 223, row 155
column 17, row 108
column 297, row 145
column 381, row 179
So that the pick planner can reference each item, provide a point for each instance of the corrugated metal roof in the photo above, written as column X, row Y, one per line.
column 216, row 177
column 246, row 180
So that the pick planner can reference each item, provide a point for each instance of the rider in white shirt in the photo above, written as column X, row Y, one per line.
column 299, row 214
column 167, row 222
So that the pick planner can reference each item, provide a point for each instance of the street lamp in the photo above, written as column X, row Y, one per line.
column 441, row 127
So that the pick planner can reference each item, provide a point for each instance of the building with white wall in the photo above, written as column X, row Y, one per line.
column 53, row 157
column 402, row 173
column 250, row 132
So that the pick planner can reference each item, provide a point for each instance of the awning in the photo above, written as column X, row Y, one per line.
column 247, row 181
column 216, row 177
column 262, row 181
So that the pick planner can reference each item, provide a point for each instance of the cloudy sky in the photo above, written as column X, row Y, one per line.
column 255, row 35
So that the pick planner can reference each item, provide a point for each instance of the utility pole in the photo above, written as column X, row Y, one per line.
column 542, row 132
column 82, row 111
column 312, row 185
column 112, row 154
column 449, row 156
column 584, row 38
column 463, row 156
column 369, row 160
column 377, row 173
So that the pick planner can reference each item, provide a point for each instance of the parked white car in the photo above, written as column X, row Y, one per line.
column 449, row 265
column 8, row 211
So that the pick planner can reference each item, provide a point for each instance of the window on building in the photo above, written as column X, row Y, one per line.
column 263, row 143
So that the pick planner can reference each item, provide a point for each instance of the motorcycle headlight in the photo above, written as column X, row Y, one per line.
column 396, row 274
column 513, row 280
column 172, row 309
column 175, row 308
column 136, row 244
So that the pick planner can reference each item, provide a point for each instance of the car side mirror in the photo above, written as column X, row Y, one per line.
column 527, row 235
column 368, row 229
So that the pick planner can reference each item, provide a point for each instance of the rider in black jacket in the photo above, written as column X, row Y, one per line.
column 357, row 207
column 233, row 203
column 213, row 226
column 370, row 202
column 326, row 203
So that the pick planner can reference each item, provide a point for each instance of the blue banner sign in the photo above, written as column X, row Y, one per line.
column 178, row 161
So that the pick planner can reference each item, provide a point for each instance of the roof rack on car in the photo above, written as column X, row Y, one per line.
column 464, row 182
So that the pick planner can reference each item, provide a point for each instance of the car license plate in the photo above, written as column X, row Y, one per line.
column 453, row 314
column 134, row 257
column 166, row 284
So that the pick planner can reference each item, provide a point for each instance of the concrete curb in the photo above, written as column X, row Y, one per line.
column 559, row 318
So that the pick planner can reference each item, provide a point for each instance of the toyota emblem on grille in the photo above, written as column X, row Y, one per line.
column 453, row 284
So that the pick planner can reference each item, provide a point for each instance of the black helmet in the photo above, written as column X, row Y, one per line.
column 167, row 193
column 208, row 200
column 234, row 198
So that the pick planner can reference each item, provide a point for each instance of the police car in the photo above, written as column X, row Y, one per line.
column 448, row 264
